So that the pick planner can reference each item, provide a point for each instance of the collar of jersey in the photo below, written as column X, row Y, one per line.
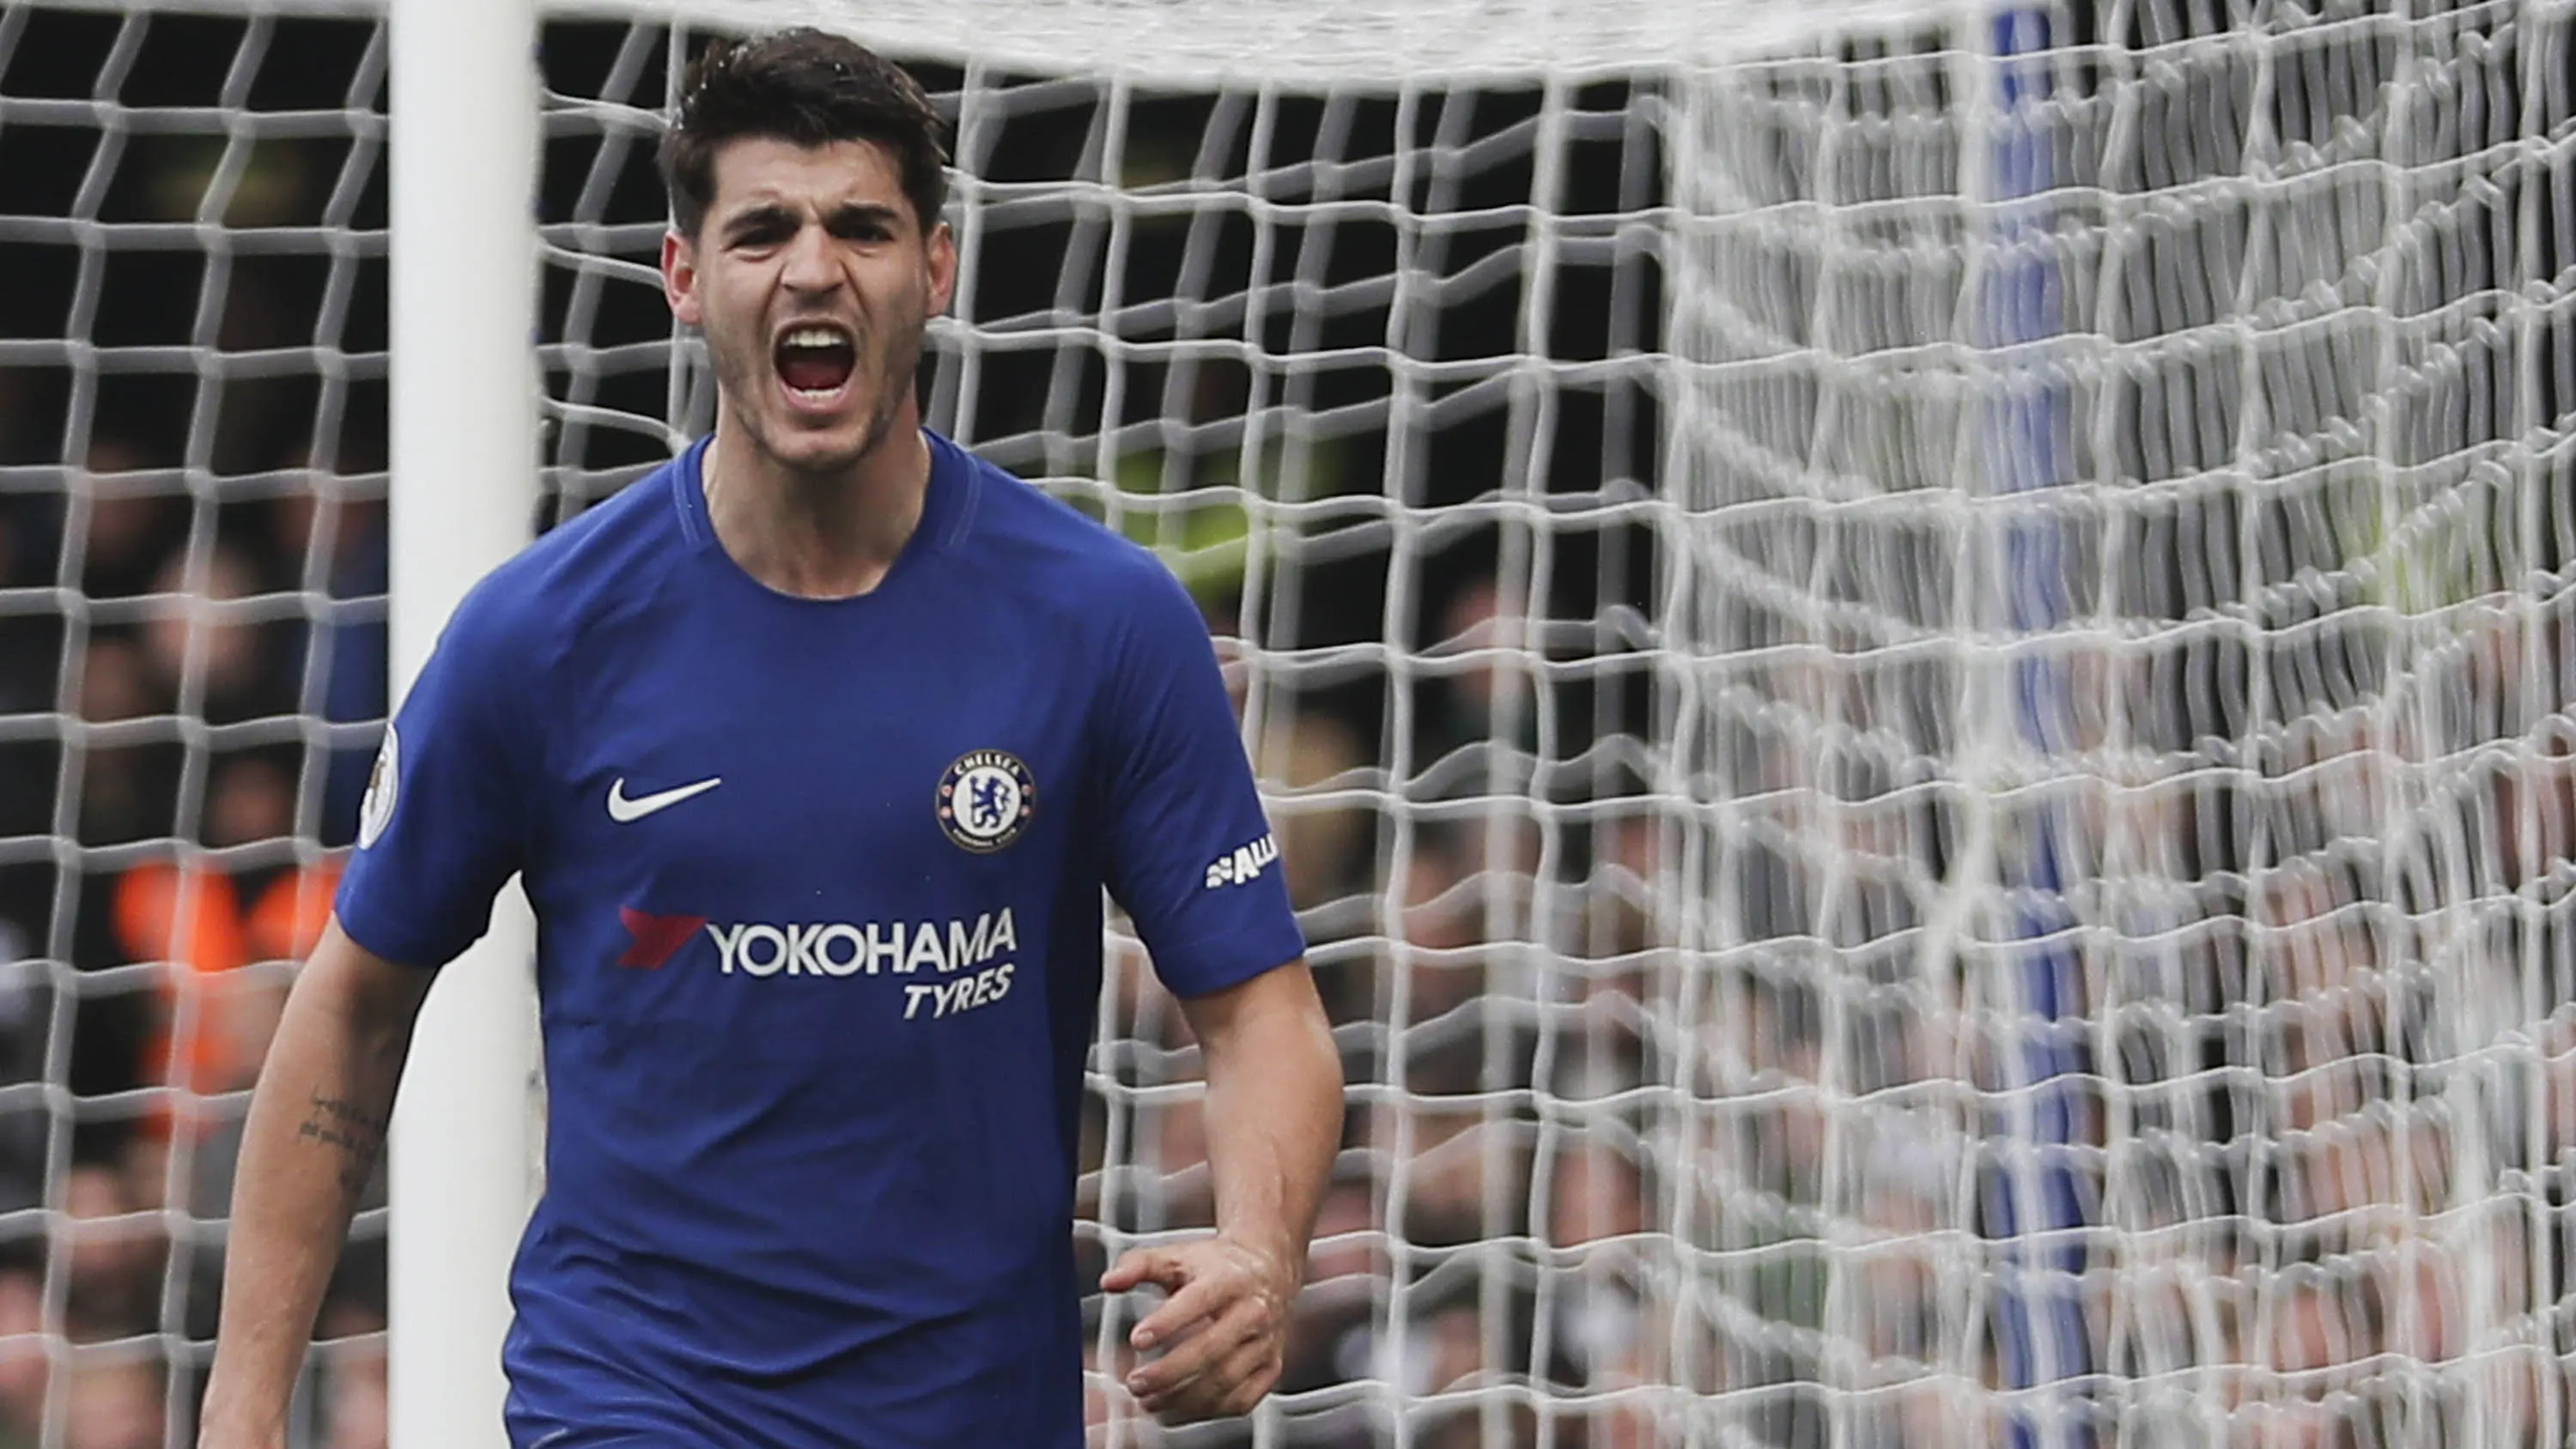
column 947, row 506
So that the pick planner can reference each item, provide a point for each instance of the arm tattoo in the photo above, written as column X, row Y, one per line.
column 358, row 1133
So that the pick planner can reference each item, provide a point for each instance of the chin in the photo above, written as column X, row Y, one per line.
column 809, row 452
column 817, row 457
column 805, row 443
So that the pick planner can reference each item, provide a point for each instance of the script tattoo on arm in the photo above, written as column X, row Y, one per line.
column 357, row 1133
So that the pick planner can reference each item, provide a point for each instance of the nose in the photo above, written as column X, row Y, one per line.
column 808, row 266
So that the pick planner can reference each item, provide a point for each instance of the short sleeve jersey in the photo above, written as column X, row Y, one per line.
column 818, row 887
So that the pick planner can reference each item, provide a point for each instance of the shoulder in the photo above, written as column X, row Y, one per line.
column 615, row 553
column 1034, row 542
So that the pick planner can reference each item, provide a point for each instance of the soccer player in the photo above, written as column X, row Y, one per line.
column 815, row 751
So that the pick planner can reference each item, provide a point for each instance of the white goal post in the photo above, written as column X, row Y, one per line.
column 1916, row 659
column 460, row 1170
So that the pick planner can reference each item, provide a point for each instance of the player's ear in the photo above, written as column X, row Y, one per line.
column 680, row 277
column 942, row 247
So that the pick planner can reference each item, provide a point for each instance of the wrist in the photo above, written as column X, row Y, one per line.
column 219, row 1433
column 228, row 1423
column 1274, row 1252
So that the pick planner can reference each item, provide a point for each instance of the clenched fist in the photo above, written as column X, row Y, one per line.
column 1222, row 1332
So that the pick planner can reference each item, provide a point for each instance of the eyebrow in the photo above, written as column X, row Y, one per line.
column 757, row 218
column 769, row 214
column 865, row 211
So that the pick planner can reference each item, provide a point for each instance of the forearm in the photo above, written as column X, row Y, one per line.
column 315, row 1132
column 1274, row 1110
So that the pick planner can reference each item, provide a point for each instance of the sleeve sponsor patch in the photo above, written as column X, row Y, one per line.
column 1243, row 864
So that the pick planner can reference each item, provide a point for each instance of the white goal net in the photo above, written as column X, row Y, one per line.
column 1914, row 662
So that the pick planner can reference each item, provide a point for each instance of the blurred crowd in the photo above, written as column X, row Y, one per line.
column 192, row 672
column 203, row 677
column 2286, row 1119
column 2212, row 1059
column 192, row 677
column 1490, row 965
column 2262, row 1134
column 192, row 704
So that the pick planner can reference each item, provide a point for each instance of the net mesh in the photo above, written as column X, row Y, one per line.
column 2119, row 579
column 192, row 668
column 1914, row 686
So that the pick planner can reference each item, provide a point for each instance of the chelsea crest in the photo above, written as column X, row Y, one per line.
column 986, row 799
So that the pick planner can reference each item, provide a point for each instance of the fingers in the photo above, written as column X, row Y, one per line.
column 1196, row 1292
column 1194, row 1354
column 1232, row 1386
column 1219, row 1332
column 1253, row 1372
column 1204, row 1352
column 1160, row 1266
column 1205, row 1298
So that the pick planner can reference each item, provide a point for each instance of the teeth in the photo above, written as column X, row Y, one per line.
column 812, row 337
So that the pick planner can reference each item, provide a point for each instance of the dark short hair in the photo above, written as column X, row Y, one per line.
column 809, row 88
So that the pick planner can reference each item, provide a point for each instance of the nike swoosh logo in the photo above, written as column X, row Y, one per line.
column 622, row 810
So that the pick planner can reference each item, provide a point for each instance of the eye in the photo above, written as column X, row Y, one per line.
column 862, row 227
column 760, row 229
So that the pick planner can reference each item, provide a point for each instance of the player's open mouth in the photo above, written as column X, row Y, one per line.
column 814, row 362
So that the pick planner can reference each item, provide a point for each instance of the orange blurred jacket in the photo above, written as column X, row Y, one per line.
column 210, row 1034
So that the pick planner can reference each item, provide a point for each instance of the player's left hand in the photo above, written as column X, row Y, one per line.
column 1223, row 1331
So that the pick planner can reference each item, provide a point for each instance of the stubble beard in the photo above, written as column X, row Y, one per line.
column 745, row 373
column 894, row 382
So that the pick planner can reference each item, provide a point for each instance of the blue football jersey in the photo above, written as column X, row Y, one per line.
column 818, row 887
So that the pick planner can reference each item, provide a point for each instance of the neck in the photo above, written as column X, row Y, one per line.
column 821, row 535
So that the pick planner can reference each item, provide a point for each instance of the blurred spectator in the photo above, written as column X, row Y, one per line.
column 1346, row 1271
column 1441, row 915
column 1458, row 1160
column 114, row 1404
column 1621, row 914
column 339, row 546
column 1105, row 1401
column 2556, row 1088
column 113, row 1252
column 2315, row 1333
column 352, row 1384
column 26, row 999
column 1349, row 1243
column 1480, row 717
column 207, row 922
column 1594, row 1192
column 1439, row 912
column 30, row 654
column 1324, row 847
column 127, row 783
column 1450, row 1349
column 26, row 1364
column 113, row 682
column 1184, row 1191
column 204, row 647
column 1595, row 1198
column 132, row 522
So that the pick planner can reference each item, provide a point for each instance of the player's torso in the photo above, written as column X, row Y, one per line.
column 797, row 869
column 845, row 820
